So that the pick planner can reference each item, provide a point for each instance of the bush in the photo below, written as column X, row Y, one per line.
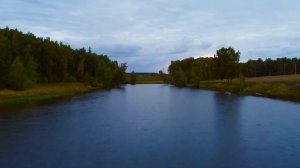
column 239, row 84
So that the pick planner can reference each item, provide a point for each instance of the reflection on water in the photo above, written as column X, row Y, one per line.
column 228, row 126
column 152, row 126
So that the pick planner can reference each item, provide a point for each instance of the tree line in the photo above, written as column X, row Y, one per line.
column 26, row 60
column 225, row 65
column 269, row 67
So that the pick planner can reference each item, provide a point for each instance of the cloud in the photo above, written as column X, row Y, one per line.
column 149, row 34
column 179, row 50
column 119, row 50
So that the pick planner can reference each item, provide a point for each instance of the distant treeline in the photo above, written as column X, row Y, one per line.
column 269, row 67
column 26, row 59
column 225, row 65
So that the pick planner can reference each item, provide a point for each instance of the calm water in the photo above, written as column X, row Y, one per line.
column 153, row 126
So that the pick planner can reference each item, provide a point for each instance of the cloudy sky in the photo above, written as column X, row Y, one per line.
column 148, row 34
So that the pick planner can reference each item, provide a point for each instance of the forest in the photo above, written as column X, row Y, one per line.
column 26, row 60
column 225, row 65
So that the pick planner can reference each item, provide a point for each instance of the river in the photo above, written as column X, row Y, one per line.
column 152, row 126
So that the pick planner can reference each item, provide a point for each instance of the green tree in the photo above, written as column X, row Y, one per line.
column 240, row 84
column 180, row 79
column 194, row 79
column 20, row 76
column 5, row 60
column 16, row 74
column 227, row 60
column 107, row 78
column 30, row 73
column 80, row 70
column 26, row 59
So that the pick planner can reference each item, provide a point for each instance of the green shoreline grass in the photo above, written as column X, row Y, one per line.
column 42, row 92
column 285, row 89
column 279, row 87
column 150, row 82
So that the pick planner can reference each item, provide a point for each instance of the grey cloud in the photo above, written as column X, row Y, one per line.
column 179, row 50
column 149, row 34
column 119, row 50
column 274, row 51
column 205, row 45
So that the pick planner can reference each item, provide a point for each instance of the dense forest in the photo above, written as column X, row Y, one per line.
column 225, row 65
column 26, row 59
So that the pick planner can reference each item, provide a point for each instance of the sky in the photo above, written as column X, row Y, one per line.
column 148, row 34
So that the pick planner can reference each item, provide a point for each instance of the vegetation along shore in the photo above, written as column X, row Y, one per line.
column 223, row 72
column 42, row 92
column 286, row 87
column 33, row 68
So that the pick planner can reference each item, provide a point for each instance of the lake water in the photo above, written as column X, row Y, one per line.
column 157, row 126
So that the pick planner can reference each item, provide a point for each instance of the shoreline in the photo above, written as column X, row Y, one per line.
column 280, row 89
column 43, row 93
column 295, row 99
column 150, row 82
column 269, row 87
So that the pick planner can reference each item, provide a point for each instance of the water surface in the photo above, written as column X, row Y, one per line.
column 153, row 126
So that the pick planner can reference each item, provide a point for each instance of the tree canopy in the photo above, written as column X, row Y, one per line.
column 26, row 59
column 225, row 65
column 227, row 60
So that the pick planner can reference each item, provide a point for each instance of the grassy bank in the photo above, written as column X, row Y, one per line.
column 281, row 87
column 150, row 82
column 148, row 79
column 42, row 92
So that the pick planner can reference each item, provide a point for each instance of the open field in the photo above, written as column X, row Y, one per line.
column 281, row 87
column 281, row 78
column 42, row 92
column 148, row 79
column 149, row 82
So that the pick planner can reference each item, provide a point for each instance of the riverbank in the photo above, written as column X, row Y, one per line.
column 279, row 87
column 150, row 82
column 42, row 92
column 285, row 87
column 155, row 79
